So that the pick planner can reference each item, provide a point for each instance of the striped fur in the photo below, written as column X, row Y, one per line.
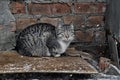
column 43, row 39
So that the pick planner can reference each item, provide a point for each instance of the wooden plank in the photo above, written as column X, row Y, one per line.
column 11, row 62
column 113, row 50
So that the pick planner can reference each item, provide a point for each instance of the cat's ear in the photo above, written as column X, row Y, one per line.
column 71, row 24
column 60, row 23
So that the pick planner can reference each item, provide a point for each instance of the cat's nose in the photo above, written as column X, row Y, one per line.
column 67, row 37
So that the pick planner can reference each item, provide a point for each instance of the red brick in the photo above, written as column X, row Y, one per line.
column 90, row 7
column 53, row 21
column 84, row 36
column 17, row 7
column 61, row 8
column 95, row 20
column 68, row 19
column 49, row 8
column 42, row 8
column 78, row 21
column 23, row 23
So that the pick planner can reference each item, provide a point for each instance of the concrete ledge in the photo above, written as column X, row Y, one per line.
column 11, row 62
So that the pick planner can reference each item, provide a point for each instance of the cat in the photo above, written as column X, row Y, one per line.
column 44, row 39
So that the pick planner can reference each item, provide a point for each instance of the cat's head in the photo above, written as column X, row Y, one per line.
column 65, row 32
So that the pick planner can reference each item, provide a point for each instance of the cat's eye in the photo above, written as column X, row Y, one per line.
column 72, row 30
column 60, row 35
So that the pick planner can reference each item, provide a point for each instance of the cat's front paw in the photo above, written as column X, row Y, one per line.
column 48, row 54
column 57, row 55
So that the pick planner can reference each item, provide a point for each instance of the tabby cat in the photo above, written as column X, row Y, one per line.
column 43, row 39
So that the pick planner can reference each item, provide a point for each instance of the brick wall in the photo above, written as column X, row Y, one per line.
column 86, row 15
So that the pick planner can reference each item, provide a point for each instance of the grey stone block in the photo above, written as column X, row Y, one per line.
column 5, row 15
column 7, row 37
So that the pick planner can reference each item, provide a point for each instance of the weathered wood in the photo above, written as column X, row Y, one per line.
column 11, row 62
column 112, row 19
column 113, row 50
